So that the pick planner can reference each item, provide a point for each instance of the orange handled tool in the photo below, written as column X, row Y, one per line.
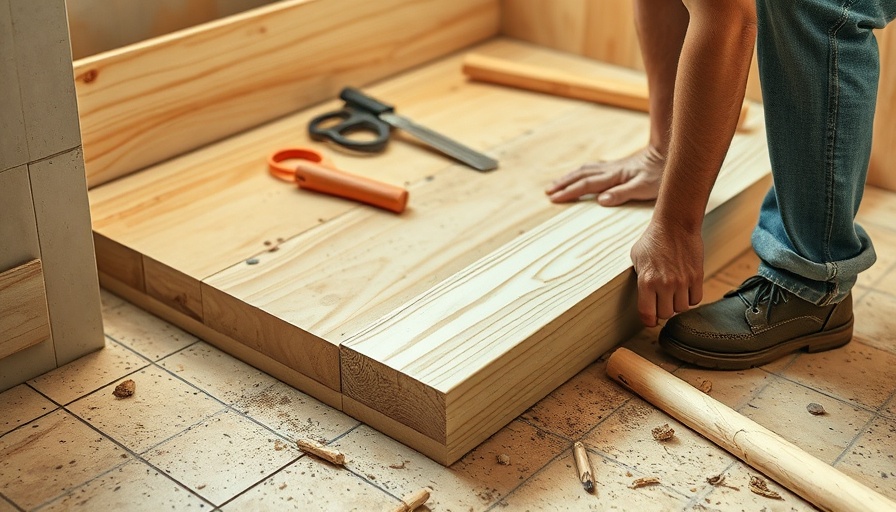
column 311, row 170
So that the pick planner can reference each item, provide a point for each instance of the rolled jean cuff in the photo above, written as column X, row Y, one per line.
column 819, row 283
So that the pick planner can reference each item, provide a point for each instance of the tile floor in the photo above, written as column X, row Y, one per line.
column 207, row 432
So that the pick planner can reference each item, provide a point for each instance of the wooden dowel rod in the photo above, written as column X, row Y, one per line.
column 413, row 500
column 633, row 96
column 814, row 480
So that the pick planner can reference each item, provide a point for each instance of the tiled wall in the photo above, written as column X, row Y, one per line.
column 43, row 192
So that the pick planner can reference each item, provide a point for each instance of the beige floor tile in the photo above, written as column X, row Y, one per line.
column 875, row 322
column 224, row 377
column 578, row 405
column 89, row 373
column 223, row 456
column 735, row 494
column 144, row 333
column 740, row 269
column 21, row 404
column 294, row 414
column 872, row 459
column 884, row 241
column 310, row 484
column 475, row 482
column 51, row 456
column 781, row 408
column 682, row 463
column 161, row 407
column 6, row 506
column 732, row 388
column 134, row 487
column 856, row 372
column 557, row 488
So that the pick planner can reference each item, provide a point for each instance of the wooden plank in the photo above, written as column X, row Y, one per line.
column 173, row 288
column 23, row 308
column 190, row 199
column 118, row 261
column 221, row 78
column 126, row 22
column 462, row 359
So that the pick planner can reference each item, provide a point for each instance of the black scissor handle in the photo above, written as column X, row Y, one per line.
column 351, row 121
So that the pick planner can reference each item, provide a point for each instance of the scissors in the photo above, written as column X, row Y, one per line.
column 361, row 113
column 311, row 170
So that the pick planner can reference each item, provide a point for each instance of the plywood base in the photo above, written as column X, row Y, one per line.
column 437, row 326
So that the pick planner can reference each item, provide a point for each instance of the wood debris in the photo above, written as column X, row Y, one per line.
column 125, row 389
column 644, row 482
column 315, row 448
column 704, row 385
column 815, row 409
column 758, row 486
column 504, row 459
column 413, row 500
column 663, row 432
column 719, row 481
column 397, row 465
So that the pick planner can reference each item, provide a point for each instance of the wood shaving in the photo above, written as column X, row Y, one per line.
column 324, row 452
column 663, row 432
column 758, row 486
column 504, row 459
column 815, row 409
column 719, row 481
column 644, row 482
column 704, row 385
column 125, row 389
column 397, row 465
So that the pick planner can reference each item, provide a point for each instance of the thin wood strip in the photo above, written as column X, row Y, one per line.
column 24, row 320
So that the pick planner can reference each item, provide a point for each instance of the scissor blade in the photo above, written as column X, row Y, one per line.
column 448, row 146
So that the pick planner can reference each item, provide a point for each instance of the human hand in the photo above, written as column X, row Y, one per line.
column 669, row 263
column 635, row 177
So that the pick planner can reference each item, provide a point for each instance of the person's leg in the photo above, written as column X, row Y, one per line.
column 818, row 66
column 819, row 69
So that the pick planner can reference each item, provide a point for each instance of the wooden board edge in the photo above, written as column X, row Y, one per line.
column 261, row 361
column 172, row 288
column 119, row 262
column 274, row 337
column 397, row 430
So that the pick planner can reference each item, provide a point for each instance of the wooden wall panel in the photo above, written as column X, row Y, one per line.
column 882, row 171
column 101, row 25
column 199, row 85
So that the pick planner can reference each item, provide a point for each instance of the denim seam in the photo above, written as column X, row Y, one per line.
column 831, row 136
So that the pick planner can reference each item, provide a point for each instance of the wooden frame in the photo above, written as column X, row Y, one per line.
column 437, row 326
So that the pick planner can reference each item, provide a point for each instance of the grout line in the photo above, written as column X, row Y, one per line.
column 855, row 439
column 4, row 499
column 127, row 450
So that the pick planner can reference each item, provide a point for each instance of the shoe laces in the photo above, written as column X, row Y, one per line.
column 766, row 291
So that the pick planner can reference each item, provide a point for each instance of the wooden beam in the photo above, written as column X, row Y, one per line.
column 465, row 357
column 24, row 320
column 145, row 103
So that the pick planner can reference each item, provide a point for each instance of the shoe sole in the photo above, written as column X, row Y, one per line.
column 818, row 342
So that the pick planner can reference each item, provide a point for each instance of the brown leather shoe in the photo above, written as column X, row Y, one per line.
column 753, row 325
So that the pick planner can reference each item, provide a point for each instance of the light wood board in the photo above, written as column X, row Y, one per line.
column 481, row 271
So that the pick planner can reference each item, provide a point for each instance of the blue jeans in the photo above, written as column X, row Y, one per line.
column 819, row 69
